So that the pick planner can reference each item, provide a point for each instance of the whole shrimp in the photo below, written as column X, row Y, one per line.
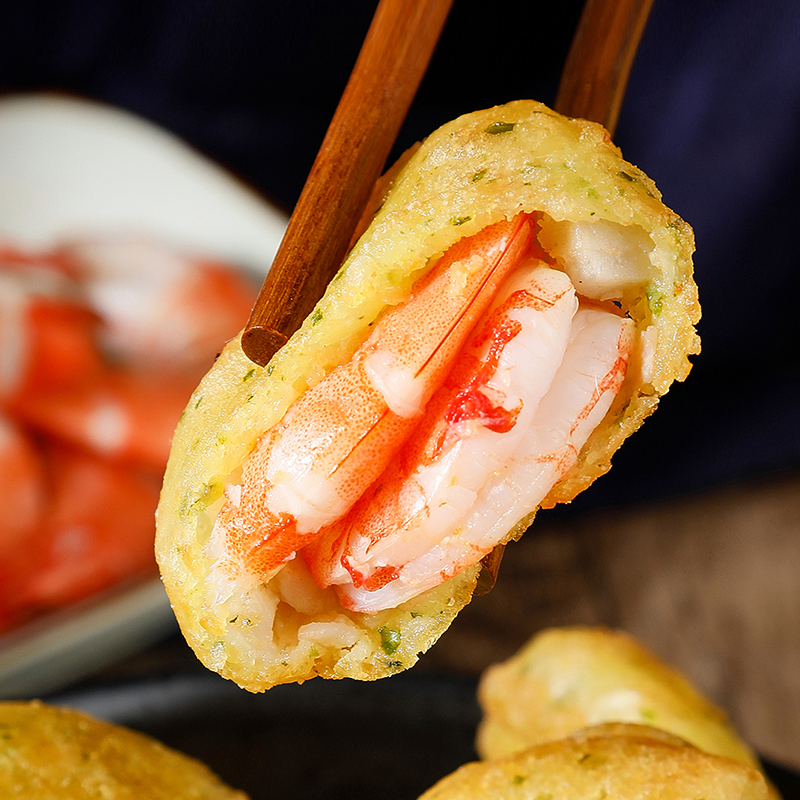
column 308, row 471
column 418, row 536
column 386, row 474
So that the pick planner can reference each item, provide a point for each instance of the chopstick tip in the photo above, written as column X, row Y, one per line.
column 260, row 344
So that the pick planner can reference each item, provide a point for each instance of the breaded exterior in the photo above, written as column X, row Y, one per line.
column 565, row 679
column 632, row 766
column 474, row 171
column 49, row 753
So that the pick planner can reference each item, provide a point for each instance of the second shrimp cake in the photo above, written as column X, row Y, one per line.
column 516, row 307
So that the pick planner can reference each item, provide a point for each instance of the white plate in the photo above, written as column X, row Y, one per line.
column 74, row 167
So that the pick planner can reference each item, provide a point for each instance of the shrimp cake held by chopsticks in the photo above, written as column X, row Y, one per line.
column 516, row 306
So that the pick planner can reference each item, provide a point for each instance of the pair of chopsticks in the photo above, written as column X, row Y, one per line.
column 389, row 69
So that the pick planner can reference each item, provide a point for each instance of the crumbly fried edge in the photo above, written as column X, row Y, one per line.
column 50, row 753
column 472, row 172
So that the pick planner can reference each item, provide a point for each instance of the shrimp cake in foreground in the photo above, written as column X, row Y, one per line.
column 514, row 309
column 49, row 753
column 564, row 679
column 636, row 762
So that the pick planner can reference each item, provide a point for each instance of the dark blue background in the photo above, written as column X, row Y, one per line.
column 712, row 114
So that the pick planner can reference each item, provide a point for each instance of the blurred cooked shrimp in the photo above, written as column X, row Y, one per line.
column 126, row 415
column 22, row 469
column 160, row 306
column 47, row 332
column 101, row 345
column 94, row 532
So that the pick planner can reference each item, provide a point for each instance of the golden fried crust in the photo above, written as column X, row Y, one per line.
column 474, row 171
column 632, row 766
column 49, row 753
column 567, row 678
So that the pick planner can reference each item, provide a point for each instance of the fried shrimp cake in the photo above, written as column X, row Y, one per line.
column 49, row 753
column 565, row 679
column 630, row 764
column 516, row 306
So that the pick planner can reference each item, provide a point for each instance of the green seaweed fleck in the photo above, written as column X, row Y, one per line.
column 655, row 299
column 390, row 639
column 499, row 127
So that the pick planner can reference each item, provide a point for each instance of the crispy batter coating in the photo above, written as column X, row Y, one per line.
column 565, row 679
column 474, row 171
column 635, row 764
column 49, row 753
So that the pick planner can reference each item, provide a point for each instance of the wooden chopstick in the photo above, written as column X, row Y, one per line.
column 599, row 62
column 390, row 66
column 592, row 86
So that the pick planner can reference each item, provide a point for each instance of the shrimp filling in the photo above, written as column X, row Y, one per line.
column 447, row 427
